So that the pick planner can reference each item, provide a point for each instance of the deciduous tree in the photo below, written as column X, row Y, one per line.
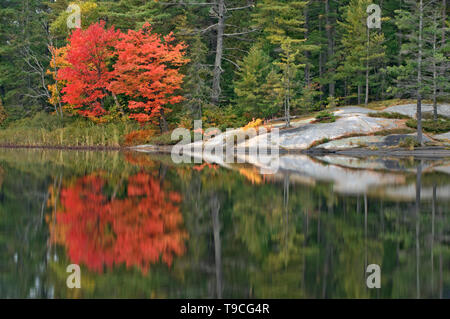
column 146, row 72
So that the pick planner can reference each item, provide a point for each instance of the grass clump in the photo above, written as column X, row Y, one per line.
column 389, row 115
column 394, row 131
column 409, row 142
column 377, row 105
column 325, row 117
column 442, row 125
column 45, row 129
column 320, row 142
column 164, row 139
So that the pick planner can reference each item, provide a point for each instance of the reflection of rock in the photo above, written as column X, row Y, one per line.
column 353, row 175
column 408, row 192
column 443, row 169
column 410, row 109
column 379, row 163
column 345, row 180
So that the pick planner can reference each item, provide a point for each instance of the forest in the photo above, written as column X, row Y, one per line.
column 137, row 69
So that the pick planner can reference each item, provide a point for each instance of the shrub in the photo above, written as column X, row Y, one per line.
column 442, row 125
column 319, row 142
column 394, row 131
column 409, row 142
column 3, row 114
column 389, row 115
column 325, row 117
column 221, row 118
column 138, row 137
column 255, row 123
column 164, row 139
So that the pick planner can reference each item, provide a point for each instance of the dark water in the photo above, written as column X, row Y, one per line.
column 142, row 227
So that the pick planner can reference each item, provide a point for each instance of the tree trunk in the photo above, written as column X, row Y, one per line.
column 116, row 102
column 367, row 68
column 162, row 122
column 419, row 77
column 359, row 94
column 435, row 113
column 444, row 20
column 320, row 61
column 215, row 207
column 288, row 90
column 418, row 195
column 307, row 54
column 215, row 95
column 329, row 32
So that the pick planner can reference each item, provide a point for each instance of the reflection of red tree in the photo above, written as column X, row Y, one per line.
column 137, row 230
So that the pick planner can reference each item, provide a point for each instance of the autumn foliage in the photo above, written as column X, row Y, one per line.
column 89, row 72
column 140, row 67
column 100, row 231
column 58, row 61
column 146, row 72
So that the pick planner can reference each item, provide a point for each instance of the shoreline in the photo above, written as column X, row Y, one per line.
column 433, row 152
column 422, row 152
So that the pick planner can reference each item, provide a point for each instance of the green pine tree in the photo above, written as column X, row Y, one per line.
column 362, row 49
column 248, row 88
column 282, row 23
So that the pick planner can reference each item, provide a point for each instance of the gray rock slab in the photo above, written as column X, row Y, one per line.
column 358, row 141
column 410, row 109
column 443, row 137
column 303, row 137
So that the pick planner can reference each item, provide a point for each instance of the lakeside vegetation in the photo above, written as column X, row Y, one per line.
column 45, row 129
column 134, row 71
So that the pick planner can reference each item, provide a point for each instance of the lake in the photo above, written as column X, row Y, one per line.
column 140, row 226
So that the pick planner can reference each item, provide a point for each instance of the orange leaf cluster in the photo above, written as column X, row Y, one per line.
column 146, row 71
column 141, row 66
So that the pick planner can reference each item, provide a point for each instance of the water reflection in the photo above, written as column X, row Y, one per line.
column 142, row 227
column 134, row 222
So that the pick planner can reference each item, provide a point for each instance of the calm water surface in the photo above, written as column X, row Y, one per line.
column 141, row 227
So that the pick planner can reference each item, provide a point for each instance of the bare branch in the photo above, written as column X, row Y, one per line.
column 234, row 63
column 239, row 33
column 241, row 8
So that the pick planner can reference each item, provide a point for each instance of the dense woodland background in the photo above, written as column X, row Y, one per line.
column 247, row 59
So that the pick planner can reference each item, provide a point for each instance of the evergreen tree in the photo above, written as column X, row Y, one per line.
column 282, row 24
column 196, row 88
column 23, row 56
column 436, row 57
column 419, row 26
column 289, row 67
column 362, row 48
column 249, row 87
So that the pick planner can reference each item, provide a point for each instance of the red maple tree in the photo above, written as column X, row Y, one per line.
column 141, row 66
column 146, row 72
column 89, row 72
